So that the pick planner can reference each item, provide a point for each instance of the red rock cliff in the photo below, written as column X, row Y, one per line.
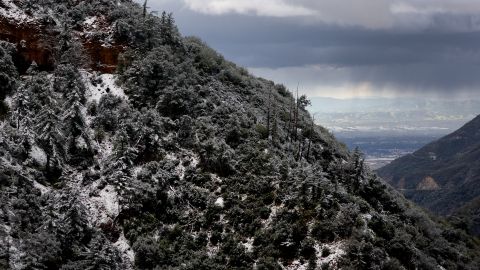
column 31, row 39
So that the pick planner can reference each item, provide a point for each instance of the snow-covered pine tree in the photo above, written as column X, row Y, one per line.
column 68, row 81
column 8, row 74
column 50, row 137
column 24, row 101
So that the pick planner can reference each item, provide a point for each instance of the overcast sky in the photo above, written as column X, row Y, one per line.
column 345, row 48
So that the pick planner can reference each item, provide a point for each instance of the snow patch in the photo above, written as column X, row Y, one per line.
column 8, row 101
column 124, row 247
column 106, row 84
column 103, row 208
column 220, row 202
column 211, row 249
column 367, row 217
column 105, row 150
column 109, row 199
column 297, row 265
column 38, row 155
column 336, row 251
column 12, row 12
column 112, row 87
column 194, row 161
column 215, row 178
column 90, row 21
column 273, row 213
column 180, row 169
column 43, row 189
column 249, row 244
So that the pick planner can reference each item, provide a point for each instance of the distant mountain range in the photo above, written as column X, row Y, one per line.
column 360, row 117
column 443, row 176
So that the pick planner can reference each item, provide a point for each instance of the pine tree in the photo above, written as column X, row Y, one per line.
column 75, row 127
column 22, row 113
column 8, row 74
column 358, row 168
column 310, row 137
column 49, row 136
column 122, row 159
column 269, row 111
column 168, row 29
column 68, row 81
column 68, row 49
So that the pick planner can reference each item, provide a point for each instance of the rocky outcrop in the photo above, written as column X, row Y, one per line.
column 28, row 40
column 428, row 183
column 33, row 43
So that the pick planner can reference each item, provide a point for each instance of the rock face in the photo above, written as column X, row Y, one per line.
column 32, row 41
column 428, row 183
column 103, row 58
column 27, row 37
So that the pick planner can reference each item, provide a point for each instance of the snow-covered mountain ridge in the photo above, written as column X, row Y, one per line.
column 182, row 160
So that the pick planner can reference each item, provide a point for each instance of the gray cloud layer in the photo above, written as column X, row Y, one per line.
column 418, row 47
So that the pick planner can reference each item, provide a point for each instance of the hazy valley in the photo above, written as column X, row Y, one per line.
column 388, row 128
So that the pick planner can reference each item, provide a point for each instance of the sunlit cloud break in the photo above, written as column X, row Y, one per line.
column 342, row 47
column 388, row 13
column 273, row 8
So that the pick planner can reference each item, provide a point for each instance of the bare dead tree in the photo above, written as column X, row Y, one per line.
column 296, row 114
column 290, row 119
column 274, row 125
column 311, row 137
column 145, row 8
column 268, row 111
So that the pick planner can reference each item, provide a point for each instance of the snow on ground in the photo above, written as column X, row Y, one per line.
column 273, row 213
column 38, row 155
column 297, row 265
column 366, row 218
column 105, row 150
column 249, row 244
column 109, row 81
column 220, row 202
column 211, row 250
column 336, row 251
column 110, row 201
column 90, row 21
column 12, row 12
column 172, row 192
column 180, row 168
column 15, row 257
column 105, row 206
column 137, row 170
column 15, row 260
column 216, row 178
column 43, row 189
column 125, row 248
column 105, row 83
column 9, row 101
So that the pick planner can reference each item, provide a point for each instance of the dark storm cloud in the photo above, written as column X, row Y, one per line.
column 439, row 53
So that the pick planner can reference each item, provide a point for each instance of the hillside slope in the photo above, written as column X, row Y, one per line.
column 444, row 175
column 182, row 160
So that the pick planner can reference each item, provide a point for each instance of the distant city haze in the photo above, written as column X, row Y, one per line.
column 387, row 128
